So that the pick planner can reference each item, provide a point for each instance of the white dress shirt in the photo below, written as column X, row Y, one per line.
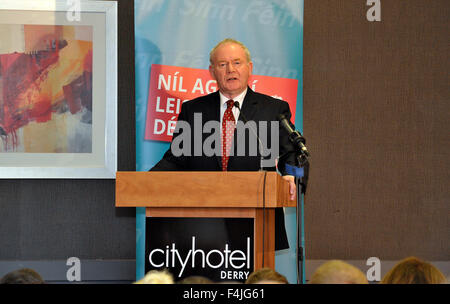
column 223, row 105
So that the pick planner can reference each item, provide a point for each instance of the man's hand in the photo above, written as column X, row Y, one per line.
column 292, row 188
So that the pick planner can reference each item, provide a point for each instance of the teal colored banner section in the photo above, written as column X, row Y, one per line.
column 182, row 33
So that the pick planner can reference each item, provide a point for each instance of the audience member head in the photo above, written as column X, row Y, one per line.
column 157, row 277
column 413, row 271
column 338, row 272
column 266, row 276
column 229, row 282
column 195, row 280
column 22, row 276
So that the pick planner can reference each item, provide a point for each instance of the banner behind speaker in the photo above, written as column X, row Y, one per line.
column 173, row 41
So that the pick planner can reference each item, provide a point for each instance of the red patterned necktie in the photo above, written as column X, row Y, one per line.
column 228, row 125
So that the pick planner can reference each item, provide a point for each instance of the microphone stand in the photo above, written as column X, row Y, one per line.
column 302, row 162
column 300, row 172
column 301, row 179
column 300, row 239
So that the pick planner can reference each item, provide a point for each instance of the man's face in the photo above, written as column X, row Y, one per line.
column 230, row 69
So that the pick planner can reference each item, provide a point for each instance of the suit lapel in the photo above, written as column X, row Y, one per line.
column 249, row 106
column 212, row 111
column 213, row 114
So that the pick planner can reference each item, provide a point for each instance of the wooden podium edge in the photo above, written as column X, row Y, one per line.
column 231, row 189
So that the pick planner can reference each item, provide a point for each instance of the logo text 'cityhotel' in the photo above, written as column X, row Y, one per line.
column 232, row 260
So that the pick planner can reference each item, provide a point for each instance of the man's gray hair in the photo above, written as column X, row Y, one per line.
column 230, row 40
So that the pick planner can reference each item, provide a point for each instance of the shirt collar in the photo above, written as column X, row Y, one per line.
column 239, row 98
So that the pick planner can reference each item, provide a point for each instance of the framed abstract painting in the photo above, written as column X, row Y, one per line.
column 58, row 89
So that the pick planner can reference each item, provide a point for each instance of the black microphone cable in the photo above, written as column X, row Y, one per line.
column 237, row 105
column 261, row 147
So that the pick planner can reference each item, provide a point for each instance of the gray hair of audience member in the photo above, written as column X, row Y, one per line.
column 338, row 272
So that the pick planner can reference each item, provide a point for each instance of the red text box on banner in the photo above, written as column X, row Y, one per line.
column 170, row 86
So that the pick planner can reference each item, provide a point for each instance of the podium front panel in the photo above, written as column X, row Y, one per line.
column 221, row 249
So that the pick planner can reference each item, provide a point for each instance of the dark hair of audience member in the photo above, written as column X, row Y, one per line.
column 412, row 270
column 22, row 276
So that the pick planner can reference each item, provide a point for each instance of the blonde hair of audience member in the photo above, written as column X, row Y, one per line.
column 157, row 277
column 413, row 271
column 338, row 272
column 266, row 276
column 195, row 280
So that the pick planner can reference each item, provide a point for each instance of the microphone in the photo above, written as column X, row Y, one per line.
column 261, row 147
column 294, row 136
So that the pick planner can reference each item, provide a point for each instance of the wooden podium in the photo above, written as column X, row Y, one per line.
column 211, row 195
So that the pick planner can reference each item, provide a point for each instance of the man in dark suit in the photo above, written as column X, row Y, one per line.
column 232, row 104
